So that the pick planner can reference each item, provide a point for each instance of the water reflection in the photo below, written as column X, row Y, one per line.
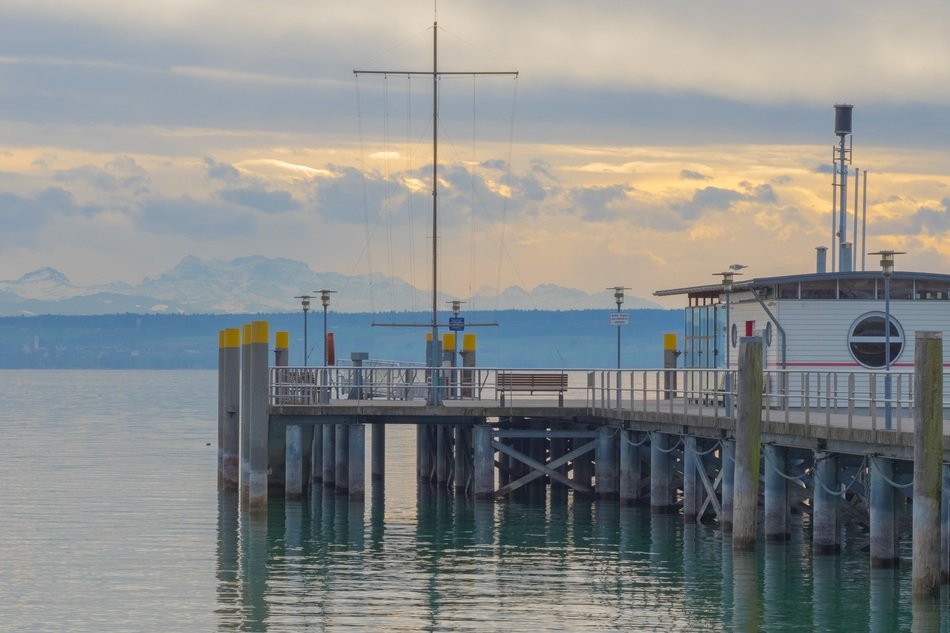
column 563, row 564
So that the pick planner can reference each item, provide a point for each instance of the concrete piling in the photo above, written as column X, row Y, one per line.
column 661, row 474
column 728, row 469
column 229, row 405
column 883, row 514
column 245, row 414
column 826, row 501
column 259, row 421
column 777, row 527
column 484, row 462
column 329, row 455
column 316, row 454
column 378, row 450
column 356, row 475
column 928, row 458
column 423, row 453
column 630, row 466
column 342, row 458
column 945, row 527
column 748, row 450
column 463, row 457
column 293, row 463
column 691, row 485
column 443, row 452
column 607, row 473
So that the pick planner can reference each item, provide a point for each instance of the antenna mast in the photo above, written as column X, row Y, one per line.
column 434, row 359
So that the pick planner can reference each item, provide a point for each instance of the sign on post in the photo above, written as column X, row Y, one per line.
column 456, row 324
column 619, row 318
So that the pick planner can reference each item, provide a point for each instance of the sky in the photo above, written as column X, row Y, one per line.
column 643, row 144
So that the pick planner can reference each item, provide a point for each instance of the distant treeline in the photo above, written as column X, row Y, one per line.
column 574, row 338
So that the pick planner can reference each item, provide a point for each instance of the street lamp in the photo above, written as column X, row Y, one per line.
column 325, row 391
column 727, row 281
column 887, row 268
column 305, row 304
column 619, row 319
column 618, row 297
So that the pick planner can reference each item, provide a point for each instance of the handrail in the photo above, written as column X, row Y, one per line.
column 832, row 396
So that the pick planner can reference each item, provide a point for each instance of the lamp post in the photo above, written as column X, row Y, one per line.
column 727, row 281
column 325, row 300
column 305, row 304
column 887, row 269
column 619, row 320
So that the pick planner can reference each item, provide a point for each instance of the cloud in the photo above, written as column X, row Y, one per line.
column 824, row 168
column 925, row 220
column 119, row 174
column 689, row 174
column 195, row 218
column 261, row 199
column 224, row 172
column 599, row 203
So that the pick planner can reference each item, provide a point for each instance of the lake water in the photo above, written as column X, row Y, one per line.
column 110, row 520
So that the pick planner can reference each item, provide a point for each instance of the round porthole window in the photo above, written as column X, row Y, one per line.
column 866, row 340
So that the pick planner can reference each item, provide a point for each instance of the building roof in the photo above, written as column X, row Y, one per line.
column 760, row 282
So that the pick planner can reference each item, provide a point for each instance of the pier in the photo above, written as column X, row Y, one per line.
column 782, row 442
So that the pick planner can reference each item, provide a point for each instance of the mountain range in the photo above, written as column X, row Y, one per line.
column 260, row 284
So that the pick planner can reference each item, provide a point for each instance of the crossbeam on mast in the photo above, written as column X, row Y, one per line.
column 435, row 73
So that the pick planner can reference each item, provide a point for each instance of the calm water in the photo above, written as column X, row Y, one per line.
column 110, row 521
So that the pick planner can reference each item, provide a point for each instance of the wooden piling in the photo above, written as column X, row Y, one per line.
column 748, row 449
column 928, row 458
column 229, row 368
column 883, row 515
column 443, row 452
column 777, row 527
column 463, row 457
column 484, row 462
column 661, row 474
column 423, row 453
column 356, row 461
column 259, row 419
column 945, row 529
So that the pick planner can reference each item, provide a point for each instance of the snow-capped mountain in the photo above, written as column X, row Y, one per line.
column 260, row 284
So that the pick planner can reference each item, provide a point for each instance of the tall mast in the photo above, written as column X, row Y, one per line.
column 434, row 359
column 435, row 353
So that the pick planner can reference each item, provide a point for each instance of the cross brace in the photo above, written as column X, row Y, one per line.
column 543, row 469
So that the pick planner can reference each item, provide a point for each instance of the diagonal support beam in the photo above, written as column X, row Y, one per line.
column 710, row 492
column 542, row 469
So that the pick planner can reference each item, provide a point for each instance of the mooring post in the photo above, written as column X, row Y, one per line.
column 259, row 422
column 883, row 516
column 928, row 462
column 356, row 477
column 661, row 474
column 484, row 462
column 229, row 474
column 745, row 502
column 945, row 526
column 691, row 486
column 245, row 413
column 776, row 494
column 630, row 465
column 329, row 454
column 378, row 458
column 607, row 474
column 342, row 458
column 826, row 501
column 728, row 469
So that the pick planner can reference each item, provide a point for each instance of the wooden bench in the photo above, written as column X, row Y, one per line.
column 531, row 384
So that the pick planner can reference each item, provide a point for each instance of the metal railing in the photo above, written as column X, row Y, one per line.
column 791, row 396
